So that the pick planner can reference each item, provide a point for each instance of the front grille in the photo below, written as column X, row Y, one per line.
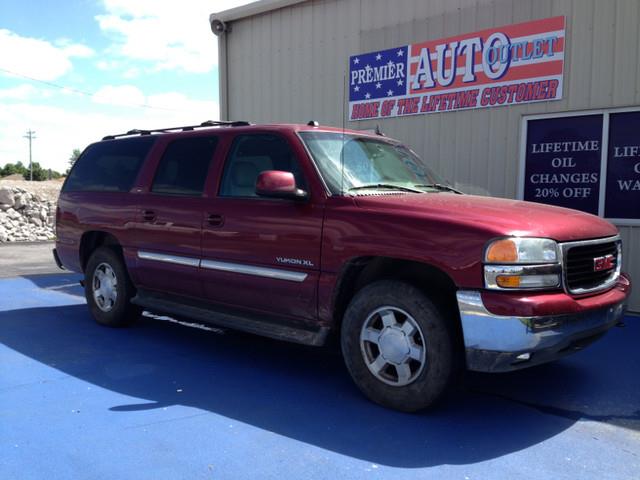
column 580, row 273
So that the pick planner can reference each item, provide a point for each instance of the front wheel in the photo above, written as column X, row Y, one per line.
column 108, row 289
column 398, row 346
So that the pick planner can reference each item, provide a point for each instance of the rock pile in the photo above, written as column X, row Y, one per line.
column 25, row 216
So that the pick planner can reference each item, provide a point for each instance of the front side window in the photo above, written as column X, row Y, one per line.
column 251, row 155
column 184, row 166
column 348, row 162
column 109, row 166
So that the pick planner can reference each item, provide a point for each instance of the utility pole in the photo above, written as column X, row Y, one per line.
column 31, row 135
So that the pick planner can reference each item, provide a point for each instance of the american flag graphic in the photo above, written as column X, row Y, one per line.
column 381, row 74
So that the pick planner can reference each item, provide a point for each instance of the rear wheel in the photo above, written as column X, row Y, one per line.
column 108, row 289
column 398, row 346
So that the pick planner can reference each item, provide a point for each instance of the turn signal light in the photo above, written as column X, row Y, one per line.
column 508, row 281
column 502, row 251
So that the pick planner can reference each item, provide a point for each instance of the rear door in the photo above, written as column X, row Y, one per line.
column 262, row 254
column 168, row 229
column 96, row 196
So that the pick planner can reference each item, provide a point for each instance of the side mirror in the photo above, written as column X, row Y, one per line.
column 279, row 184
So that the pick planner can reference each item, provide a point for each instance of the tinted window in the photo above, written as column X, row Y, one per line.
column 184, row 166
column 110, row 166
column 252, row 154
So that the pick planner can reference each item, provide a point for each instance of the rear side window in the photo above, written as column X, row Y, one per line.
column 184, row 166
column 110, row 166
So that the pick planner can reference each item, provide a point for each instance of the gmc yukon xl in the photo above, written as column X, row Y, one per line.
column 307, row 234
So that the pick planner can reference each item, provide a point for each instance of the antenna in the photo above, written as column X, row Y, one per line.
column 344, row 100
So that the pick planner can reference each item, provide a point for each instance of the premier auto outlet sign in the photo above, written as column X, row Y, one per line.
column 514, row 64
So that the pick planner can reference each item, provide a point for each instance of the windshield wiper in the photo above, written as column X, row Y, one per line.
column 386, row 186
column 441, row 187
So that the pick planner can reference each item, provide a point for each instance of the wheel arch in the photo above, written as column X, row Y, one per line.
column 94, row 239
column 361, row 271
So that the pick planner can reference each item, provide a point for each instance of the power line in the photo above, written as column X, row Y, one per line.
column 82, row 92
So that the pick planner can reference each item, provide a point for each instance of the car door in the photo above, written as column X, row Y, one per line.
column 262, row 254
column 169, row 228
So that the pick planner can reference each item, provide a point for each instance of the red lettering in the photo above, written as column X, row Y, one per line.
column 473, row 97
column 387, row 107
column 408, row 106
column 424, row 108
column 553, row 86
column 530, row 91
column 365, row 110
column 443, row 103
column 433, row 102
column 486, row 96
column 542, row 92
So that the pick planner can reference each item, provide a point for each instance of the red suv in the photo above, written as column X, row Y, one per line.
column 305, row 233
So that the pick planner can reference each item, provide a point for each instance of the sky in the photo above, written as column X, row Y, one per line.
column 76, row 70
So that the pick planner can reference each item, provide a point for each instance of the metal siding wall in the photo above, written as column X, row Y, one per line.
column 289, row 65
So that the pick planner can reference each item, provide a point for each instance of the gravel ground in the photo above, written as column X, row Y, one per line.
column 49, row 189
column 27, row 210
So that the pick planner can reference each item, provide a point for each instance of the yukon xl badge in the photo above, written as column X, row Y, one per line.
column 294, row 261
column 603, row 263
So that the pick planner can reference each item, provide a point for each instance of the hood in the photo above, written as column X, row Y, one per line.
column 497, row 215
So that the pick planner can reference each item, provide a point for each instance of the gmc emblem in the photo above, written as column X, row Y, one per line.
column 603, row 263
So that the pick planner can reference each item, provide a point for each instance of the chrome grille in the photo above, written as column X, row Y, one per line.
column 580, row 274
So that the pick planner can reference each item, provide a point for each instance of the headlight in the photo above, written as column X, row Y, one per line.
column 522, row 263
column 522, row 250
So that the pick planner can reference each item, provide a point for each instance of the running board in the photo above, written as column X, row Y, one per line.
column 213, row 315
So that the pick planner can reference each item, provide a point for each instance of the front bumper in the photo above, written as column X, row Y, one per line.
column 497, row 343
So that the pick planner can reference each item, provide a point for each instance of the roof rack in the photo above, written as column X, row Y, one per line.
column 208, row 123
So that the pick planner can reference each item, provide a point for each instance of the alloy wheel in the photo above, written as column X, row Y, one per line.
column 393, row 346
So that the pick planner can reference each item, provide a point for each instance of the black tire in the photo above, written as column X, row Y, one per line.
column 429, row 379
column 118, row 313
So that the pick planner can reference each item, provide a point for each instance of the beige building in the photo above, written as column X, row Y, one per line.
column 544, row 104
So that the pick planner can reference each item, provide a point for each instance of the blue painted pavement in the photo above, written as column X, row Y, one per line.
column 163, row 400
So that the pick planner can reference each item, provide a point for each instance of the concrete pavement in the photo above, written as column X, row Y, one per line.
column 30, row 258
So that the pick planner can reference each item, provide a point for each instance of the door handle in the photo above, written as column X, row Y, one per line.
column 148, row 215
column 215, row 220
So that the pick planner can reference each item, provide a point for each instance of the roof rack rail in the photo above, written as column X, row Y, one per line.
column 206, row 124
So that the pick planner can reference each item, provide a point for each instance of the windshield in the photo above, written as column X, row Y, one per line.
column 368, row 163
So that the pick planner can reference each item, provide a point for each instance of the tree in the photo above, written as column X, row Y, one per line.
column 21, row 169
column 12, row 169
column 39, row 173
column 73, row 158
column 8, row 169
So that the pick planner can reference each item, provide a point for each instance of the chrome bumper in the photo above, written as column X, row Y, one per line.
column 496, row 343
